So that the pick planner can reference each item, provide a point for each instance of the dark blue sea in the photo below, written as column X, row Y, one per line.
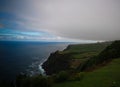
column 25, row 57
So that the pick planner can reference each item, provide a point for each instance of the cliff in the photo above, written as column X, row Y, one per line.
column 72, row 57
column 57, row 62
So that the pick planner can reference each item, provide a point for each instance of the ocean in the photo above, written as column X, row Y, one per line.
column 25, row 57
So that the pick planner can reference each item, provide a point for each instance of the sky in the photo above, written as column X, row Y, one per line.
column 60, row 20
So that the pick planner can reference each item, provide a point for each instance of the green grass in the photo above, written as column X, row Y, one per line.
column 82, row 52
column 103, row 77
column 84, row 55
column 81, row 48
column 85, row 50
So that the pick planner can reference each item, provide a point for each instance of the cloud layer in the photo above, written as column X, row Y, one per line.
column 76, row 19
column 82, row 19
column 8, row 34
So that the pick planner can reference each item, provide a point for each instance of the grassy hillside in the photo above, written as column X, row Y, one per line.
column 107, row 76
column 72, row 57
column 110, row 52
column 85, row 50
column 99, row 63
column 86, row 47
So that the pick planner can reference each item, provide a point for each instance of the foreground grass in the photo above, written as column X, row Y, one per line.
column 107, row 76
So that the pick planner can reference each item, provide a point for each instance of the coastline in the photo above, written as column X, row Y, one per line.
column 42, row 71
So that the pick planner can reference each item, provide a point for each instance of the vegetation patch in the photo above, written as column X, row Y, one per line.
column 107, row 76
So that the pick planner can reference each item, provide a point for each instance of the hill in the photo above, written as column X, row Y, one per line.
column 107, row 76
column 97, row 63
column 110, row 52
column 72, row 57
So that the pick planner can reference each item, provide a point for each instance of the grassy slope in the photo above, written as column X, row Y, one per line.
column 86, row 50
column 78, row 54
column 83, row 52
column 102, row 77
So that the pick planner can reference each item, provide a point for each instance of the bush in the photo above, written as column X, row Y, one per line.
column 40, row 81
column 61, row 77
column 34, row 81
column 77, row 76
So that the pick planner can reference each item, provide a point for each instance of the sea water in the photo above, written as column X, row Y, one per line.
column 25, row 57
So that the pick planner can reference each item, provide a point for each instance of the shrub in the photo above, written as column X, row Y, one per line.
column 40, row 81
column 34, row 81
column 77, row 76
column 62, row 76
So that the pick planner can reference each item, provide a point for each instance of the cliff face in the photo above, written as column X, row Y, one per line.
column 57, row 62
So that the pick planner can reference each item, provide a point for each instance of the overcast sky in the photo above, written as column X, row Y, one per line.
column 72, row 19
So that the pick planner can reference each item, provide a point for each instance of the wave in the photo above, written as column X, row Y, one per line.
column 36, row 67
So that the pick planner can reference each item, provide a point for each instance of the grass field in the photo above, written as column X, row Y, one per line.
column 107, row 76
column 82, row 52
column 80, row 48
column 85, row 50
